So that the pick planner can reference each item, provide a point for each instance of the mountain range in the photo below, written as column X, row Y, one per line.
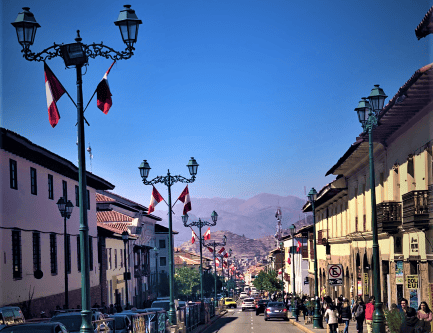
column 251, row 218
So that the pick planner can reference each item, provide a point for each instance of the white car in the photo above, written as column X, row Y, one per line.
column 243, row 295
column 248, row 304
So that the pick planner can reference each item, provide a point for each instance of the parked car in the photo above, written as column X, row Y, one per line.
column 165, row 304
column 44, row 327
column 243, row 295
column 230, row 303
column 248, row 304
column 121, row 324
column 72, row 319
column 261, row 306
column 276, row 310
column 11, row 315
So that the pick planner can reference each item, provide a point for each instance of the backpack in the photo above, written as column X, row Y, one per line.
column 359, row 313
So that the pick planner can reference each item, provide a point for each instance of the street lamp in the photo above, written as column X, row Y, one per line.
column 294, row 305
column 317, row 318
column 168, row 181
column 214, row 244
column 200, row 224
column 125, row 237
column 282, row 270
column 65, row 209
column 156, row 263
column 77, row 54
column 368, row 110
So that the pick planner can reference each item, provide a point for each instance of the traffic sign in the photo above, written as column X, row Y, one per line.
column 335, row 274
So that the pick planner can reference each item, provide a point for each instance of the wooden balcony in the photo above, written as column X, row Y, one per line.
column 388, row 216
column 415, row 209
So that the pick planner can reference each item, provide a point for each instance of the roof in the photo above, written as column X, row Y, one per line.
column 20, row 146
column 426, row 25
column 113, row 229
column 112, row 216
column 326, row 193
column 411, row 98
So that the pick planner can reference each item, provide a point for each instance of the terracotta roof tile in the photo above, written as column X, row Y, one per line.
column 425, row 27
column 120, row 226
column 112, row 216
column 106, row 226
column 103, row 198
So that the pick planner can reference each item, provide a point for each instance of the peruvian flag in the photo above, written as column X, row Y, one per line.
column 206, row 235
column 184, row 197
column 155, row 199
column 224, row 264
column 193, row 237
column 210, row 249
column 103, row 93
column 288, row 260
column 54, row 91
column 217, row 262
column 221, row 250
column 299, row 246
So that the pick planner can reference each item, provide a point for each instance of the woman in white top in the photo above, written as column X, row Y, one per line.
column 331, row 314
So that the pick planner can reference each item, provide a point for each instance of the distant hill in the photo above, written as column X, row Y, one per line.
column 254, row 218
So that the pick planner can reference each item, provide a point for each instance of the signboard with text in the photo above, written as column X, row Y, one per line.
column 412, row 282
column 335, row 275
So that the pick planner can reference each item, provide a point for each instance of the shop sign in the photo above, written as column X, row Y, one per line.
column 365, row 283
column 399, row 268
column 399, row 280
column 359, row 288
column 412, row 282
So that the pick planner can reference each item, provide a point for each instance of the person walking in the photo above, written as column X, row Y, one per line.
column 345, row 314
column 369, row 309
column 331, row 315
column 424, row 313
column 359, row 314
column 412, row 323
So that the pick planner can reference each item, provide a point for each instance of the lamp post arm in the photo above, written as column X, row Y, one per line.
column 47, row 54
column 169, row 180
column 100, row 50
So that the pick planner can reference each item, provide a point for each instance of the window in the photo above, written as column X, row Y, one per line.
column 78, row 253
column 88, row 200
column 65, row 190
column 115, row 258
column 36, row 251
column 50, row 187
column 121, row 259
column 413, row 267
column 162, row 261
column 398, row 248
column 109, row 258
column 53, row 254
column 68, row 248
column 13, row 174
column 162, row 243
column 91, row 253
column 77, row 196
column 16, row 254
column 33, row 182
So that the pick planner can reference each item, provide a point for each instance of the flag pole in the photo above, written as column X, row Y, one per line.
column 90, row 100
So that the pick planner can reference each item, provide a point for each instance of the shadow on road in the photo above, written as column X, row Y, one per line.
column 220, row 323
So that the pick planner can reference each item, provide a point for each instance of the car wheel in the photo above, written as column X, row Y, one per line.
column 266, row 319
column 257, row 313
column 235, row 306
column 243, row 309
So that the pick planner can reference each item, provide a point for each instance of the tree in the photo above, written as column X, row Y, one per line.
column 267, row 281
column 163, row 286
column 186, row 281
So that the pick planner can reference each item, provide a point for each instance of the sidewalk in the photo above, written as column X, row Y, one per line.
column 203, row 327
column 308, row 328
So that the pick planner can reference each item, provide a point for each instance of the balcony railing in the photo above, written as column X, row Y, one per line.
column 388, row 216
column 415, row 209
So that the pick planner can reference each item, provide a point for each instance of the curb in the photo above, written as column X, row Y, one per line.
column 301, row 327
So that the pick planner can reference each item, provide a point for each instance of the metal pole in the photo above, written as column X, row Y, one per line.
column 86, row 312
column 66, row 263
column 378, row 316
column 294, row 307
column 215, row 276
column 201, row 261
column 156, row 259
column 126, row 275
column 317, row 318
column 172, row 310
column 282, row 275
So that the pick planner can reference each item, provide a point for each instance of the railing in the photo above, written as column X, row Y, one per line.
column 389, row 216
column 152, row 322
column 103, row 325
column 415, row 203
column 193, row 314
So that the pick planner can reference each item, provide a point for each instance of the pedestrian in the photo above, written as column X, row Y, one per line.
column 345, row 314
column 331, row 316
column 412, row 323
column 104, row 308
column 424, row 313
column 359, row 314
column 369, row 309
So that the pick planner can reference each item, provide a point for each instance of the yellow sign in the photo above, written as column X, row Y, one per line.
column 412, row 281
column 365, row 283
column 399, row 280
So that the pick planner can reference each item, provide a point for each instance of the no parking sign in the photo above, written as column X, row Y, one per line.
column 335, row 274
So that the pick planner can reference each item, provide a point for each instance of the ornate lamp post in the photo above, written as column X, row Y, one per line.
column 368, row 111
column 214, row 244
column 125, row 237
column 168, row 181
column 156, row 264
column 65, row 209
column 317, row 318
column 200, row 224
column 294, row 303
column 282, row 270
column 77, row 54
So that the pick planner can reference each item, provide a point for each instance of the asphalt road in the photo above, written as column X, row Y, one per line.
column 236, row 321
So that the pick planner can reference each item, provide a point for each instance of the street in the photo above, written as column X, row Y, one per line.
column 236, row 321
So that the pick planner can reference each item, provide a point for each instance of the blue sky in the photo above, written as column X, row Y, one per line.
column 261, row 93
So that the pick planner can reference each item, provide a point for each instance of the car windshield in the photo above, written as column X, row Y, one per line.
column 161, row 304
column 263, row 301
column 72, row 323
column 229, row 300
column 275, row 305
column 249, row 300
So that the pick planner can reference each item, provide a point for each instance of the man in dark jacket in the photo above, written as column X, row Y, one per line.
column 412, row 324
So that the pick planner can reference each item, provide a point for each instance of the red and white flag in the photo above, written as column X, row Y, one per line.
column 103, row 93
column 155, row 199
column 184, row 197
column 193, row 237
column 210, row 249
column 206, row 235
column 54, row 91
column 288, row 260
column 217, row 262
column 224, row 264
column 221, row 250
column 299, row 246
